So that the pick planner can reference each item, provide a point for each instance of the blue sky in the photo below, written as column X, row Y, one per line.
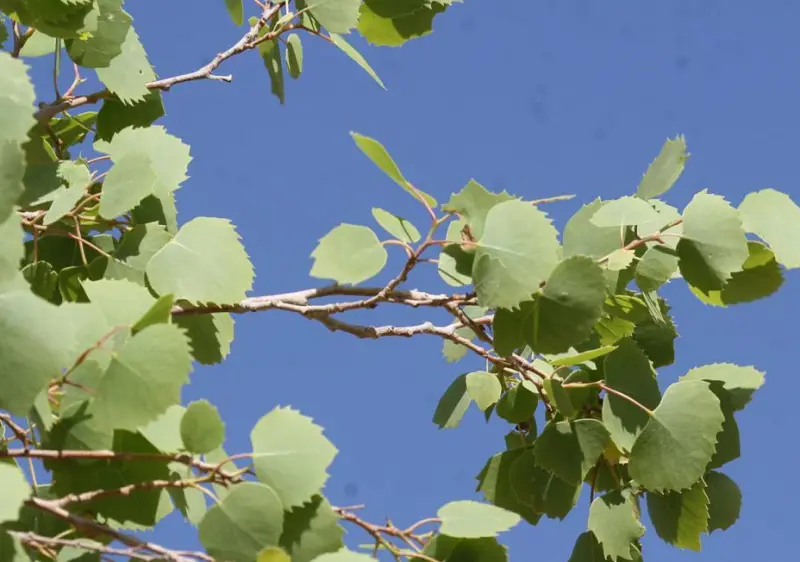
column 539, row 98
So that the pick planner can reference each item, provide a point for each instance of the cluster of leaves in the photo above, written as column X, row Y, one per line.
column 107, row 299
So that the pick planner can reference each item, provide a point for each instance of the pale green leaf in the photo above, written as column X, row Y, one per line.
column 713, row 245
column 122, row 302
column 34, row 347
column 12, row 249
column 16, row 118
column 291, row 454
column 38, row 45
column 248, row 519
column 628, row 370
column 453, row 404
column 473, row 203
column 665, row 170
column 271, row 57
column 583, row 237
column 740, row 382
column 102, row 40
column 569, row 449
column 675, row 447
column 569, row 306
column 655, row 268
column 14, row 490
column 613, row 520
column 471, row 519
column 130, row 179
column 619, row 259
column 518, row 250
column 144, row 378
column 235, row 11
column 724, row 501
column 159, row 313
column 496, row 483
column 775, row 218
column 294, row 55
column 204, row 262
column 483, row 388
column 668, row 216
column 273, row 554
column 337, row 16
column 448, row 265
column 130, row 72
column 348, row 254
column 359, row 59
column 77, row 177
column 381, row 158
column 625, row 211
column 344, row 555
column 164, row 432
column 202, row 429
column 519, row 403
column 680, row 518
column 398, row 227
column 134, row 251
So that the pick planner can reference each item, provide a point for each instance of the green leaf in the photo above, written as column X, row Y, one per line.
column 42, row 278
column 202, row 430
column 235, row 11
column 677, row 444
column 449, row 267
column 470, row 519
column 453, row 404
column 159, row 313
column 291, row 455
column 724, row 501
column 204, row 262
column 519, row 403
column 136, row 247
column 655, row 268
column 129, row 73
column 145, row 378
column 627, row 370
column 680, row 518
column 271, row 56
column 164, row 432
column 11, row 248
column 625, row 211
column 381, row 158
column 311, row 530
column 348, row 254
column 518, row 250
column 14, row 490
column 114, row 115
column 398, row 227
column 569, row 449
column 507, row 328
column 614, row 521
column 210, row 335
column 102, row 40
column 657, row 337
column 559, row 397
column 774, row 218
column 359, row 59
column 573, row 358
column 248, row 519
column 392, row 23
column 344, row 555
column 713, row 245
column 294, row 55
column 740, row 382
column 542, row 490
column 337, row 16
column 473, row 203
column 31, row 353
column 587, row 549
column 16, row 119
column 484, row 388
column 569, row 306
column 129, row 181
column 496, row 483
column 760, row 277
column 582, row 237
column 123, row 303
column 273, row 554
column 665, row 170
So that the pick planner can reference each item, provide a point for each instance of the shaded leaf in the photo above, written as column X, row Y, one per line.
column 235, row 11
column 271, row 56
column 210, row 335
column 470, row 519
column 519, row 403
column 724, row 501
column 571, row 358
column 569, row 449
column 450, row 270
column 103, row 39
column 495, row 482
column 453, row 404
column 483, row 388
column 473, row 203
column 559, row 397
column 114, row 115
column 680, row 518
column 664, row 171
column 311, row 530
column 542, row 490
column 202, row 429
column 655, row 268
column 294, row 55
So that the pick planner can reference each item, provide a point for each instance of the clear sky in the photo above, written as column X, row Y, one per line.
column 540, row 98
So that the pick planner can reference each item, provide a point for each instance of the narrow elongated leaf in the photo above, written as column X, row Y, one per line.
column 381, row 158
column 398, row 227
column 115, row 115
column 613, row 520
column 205, row 262
column 271, row 56
column 569, row 449
column 625, row 211
column 713, row 245
column 775, row 218
column 484, row 388
column 724, row 501
column 470, row 519
column 665, row 170
column 202, row 430
column 235, row 11
column 144, row 378
column 571, row 358
column 673, row 451
column 348, row 254
column 14, row 490
column 291, row 454
column 359, row 59
column 518, row 250
column 680, row 518
column 473, row 203
column 294, row 55
column 248, row 519
column 740, row 382
column 453, row 404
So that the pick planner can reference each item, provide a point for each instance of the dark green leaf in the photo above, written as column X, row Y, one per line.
column 453, row 404
column 455, row 270
column 680, row 518
column 542, row 490
column 210, row 335
column 724, row 501
column 496, row 483
column 271, row 56
column 740, row 382
column 115, row 115
column 294, row 55
column 102, row 41
column 569, row 449
column 311, row 530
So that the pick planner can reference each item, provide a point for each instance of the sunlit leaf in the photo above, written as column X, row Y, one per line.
column 110, row 26
column 202, row 429
column 130, row 72
column 235, row 11
column 473, row 203
column 625, row 211
column 484, row 388
column 665, row 170
column 740, row 381
column 398, row 227
column 337, row 16
column 348, row 254
column 569, row 449
column 359, row 59
column 14, row 490
column 470, row 519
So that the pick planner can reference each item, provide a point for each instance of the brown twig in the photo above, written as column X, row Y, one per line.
column 381, row 532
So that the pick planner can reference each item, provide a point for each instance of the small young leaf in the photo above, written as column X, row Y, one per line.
column 248, row 519
column 470, row 519
column 128, row 181
column 448, row 266
column 775, row 218
column 398, row 227
column 453, row 404
column 571, row 358
column 294, row 55
column 159, row 313
column 351, row 52
column 202, row 430
column 665, row 170
column 675, row 447
column 484, row 389
column 291, row 454
column 613, row 520
column 680, row 518
column 348, row 254
column 381, row 158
